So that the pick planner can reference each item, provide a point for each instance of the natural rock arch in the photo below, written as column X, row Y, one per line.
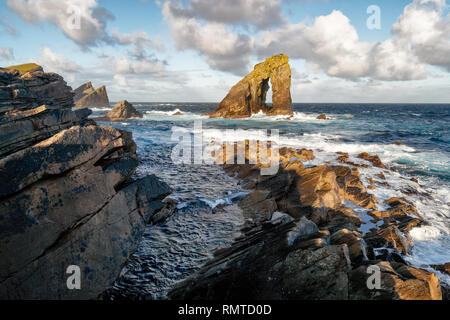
column 248, row 96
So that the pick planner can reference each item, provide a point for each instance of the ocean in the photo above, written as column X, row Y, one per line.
column 414, row 139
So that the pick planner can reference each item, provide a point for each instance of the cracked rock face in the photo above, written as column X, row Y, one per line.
column 248, row 96
column 66, row 197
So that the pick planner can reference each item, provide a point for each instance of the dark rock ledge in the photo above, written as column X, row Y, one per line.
column 66, row 193
column 301, row 242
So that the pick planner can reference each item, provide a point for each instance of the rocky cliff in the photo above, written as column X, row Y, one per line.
column 87, row 97
column 248, row 96
column 66, row 193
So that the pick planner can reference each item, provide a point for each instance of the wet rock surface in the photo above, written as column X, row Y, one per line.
column 67, row 195
column 302, row 242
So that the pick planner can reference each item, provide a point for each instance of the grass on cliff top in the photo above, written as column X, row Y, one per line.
column 24, row 68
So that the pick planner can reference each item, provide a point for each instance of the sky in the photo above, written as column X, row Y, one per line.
column 354, row 51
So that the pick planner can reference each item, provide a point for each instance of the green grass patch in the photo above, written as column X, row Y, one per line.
column 24, row 68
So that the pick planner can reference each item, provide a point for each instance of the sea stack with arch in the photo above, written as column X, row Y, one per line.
column 248, row 96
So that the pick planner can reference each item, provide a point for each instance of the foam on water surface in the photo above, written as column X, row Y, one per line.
column 353, row 129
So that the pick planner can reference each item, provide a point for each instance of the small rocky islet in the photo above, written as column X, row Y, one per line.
column 69, row 197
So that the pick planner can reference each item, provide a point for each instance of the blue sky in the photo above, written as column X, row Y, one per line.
column 195, row 50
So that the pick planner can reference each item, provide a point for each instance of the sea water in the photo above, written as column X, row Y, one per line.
column 171, row 251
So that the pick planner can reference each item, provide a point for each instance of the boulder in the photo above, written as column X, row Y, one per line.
column 398, row 220
column 258, row 206
column 317, row 188
column 322, row 117
column 287, row 154
column 352, row 188
column 444, row 268
column 356, row 245
column 248, row 96
column 374, row 159
column 123, row 111
column 87, row 97
column 398, row 282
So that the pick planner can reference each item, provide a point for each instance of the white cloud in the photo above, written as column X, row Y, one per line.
column 140, row 40
column 53, row 62
column 93, row 19
column 222, row 49
column 124, row 65
column 260, row 14
column 332, row 44
column 6, row 54
column 121, row 80
column 423, row 26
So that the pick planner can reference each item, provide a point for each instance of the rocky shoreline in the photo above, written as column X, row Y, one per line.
column 67, row 196
column 301, row 241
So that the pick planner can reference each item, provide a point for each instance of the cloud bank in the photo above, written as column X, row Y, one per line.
column 331, row 43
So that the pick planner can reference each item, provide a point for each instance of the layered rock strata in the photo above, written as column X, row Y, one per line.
column 66, row 194
column 86, row 96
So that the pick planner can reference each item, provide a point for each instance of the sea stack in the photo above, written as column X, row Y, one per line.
column 87, row 97
column 248, row 96
column 122, row 111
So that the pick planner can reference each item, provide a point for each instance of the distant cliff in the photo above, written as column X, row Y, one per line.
column 248, row 96
column 66, row 193
column 87, row 97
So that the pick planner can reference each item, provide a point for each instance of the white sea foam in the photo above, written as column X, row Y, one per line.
column 172, row 115
column 432, row 242
column 296, row 117
column 227, row 200
column 100, row 109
